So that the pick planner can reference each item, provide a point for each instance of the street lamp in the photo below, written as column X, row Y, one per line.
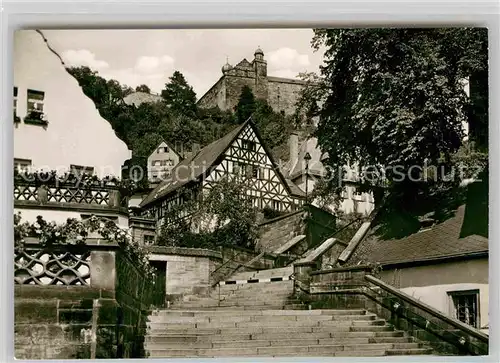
column 307, row 158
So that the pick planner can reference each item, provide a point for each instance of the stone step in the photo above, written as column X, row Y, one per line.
column 204, row 335
column 414, row 351
column 235, row 307
column 401, row 339
column 388, row 334
column 255, row 301
column 258, row 329
column 267, row 312
column 372, row 328
column 350, row 350
column 252, row 295
column 207, row 318
column 205, row 344
column 275, row 272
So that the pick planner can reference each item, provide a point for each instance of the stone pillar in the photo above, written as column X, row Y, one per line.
column 103, row 270
column 42, row 194
column 114, row 198
column 302, row 273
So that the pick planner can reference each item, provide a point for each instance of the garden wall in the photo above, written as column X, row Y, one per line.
column 86, row 301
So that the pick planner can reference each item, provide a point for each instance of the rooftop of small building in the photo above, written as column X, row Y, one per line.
column 137, row 98
column 460, row 231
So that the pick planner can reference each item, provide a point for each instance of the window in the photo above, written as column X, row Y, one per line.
column 16, row 118
column 276, row 205
column 162, row 149
column 35, row 114
column 80, row 170
column 148, row 239
column 357, row 195
column 22, row 165
column 168, row 162
column 465, row 306
column 35, row 101
column 237, row 167
column 255, row 171
column 249, row 145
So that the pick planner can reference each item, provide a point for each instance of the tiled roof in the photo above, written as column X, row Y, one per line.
column 440, row 241
column 137, row 98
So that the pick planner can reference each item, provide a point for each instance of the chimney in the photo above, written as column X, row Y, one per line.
column 179, row 146
column 195, row 148
column 294, row 149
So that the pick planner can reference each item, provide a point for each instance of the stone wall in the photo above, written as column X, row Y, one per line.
column 234, row 85
column 187, row 269
column 102, row 317
column 278, row 231
column 141, row 227
column 215, row 96
column 193, row 271
column 283, row 94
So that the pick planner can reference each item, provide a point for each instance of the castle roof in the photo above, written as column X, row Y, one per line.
column 136, row 98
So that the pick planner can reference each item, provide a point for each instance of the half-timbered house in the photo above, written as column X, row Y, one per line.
column 240, row 152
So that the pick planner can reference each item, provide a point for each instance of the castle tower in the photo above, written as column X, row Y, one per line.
column 260, row 68
column 260, row 64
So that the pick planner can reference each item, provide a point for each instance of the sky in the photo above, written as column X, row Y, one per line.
column 135, row 57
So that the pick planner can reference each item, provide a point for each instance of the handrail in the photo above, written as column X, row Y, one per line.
column 225, row 263
column 427, row 308
column 327, row 237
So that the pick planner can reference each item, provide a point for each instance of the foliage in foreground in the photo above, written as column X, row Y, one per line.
column 75, row 232
column 393, row 100
column 223, row 216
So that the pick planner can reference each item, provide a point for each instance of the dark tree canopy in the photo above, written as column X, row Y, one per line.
column 395, row 98
column 143, row 88
column 143, row 126
column 246, row 104
column 179, row 95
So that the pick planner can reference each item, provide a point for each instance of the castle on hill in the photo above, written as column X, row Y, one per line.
column 281, row 94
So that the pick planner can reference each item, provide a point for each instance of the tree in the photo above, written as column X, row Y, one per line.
column 179, row 95
column 395, row 98
column 143, row 88
column 246, row 104
column 223, row 216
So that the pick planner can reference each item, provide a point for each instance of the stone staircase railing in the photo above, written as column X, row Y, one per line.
column 87, row 301
column 356, row 287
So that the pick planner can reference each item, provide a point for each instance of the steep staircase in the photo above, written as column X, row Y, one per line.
column 256, row 316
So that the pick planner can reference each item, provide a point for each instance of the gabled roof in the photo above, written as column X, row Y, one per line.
column 169, row 146
column 193, row 168
column 442, row 241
